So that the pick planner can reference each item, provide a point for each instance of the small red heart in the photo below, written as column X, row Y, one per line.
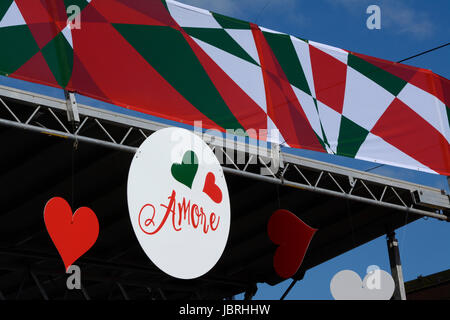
column 73, row 235
column 293, row 237
column 212, row 189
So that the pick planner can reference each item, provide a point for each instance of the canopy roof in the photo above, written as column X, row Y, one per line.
column 177, row 62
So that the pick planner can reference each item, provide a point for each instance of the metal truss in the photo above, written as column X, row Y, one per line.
column 100, row 280
column 41, row 114
column 46, row 284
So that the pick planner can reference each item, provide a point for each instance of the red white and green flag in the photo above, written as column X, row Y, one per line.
column 181, row 63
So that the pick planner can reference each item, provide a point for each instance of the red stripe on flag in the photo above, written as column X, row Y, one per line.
column 442, row 89
column 421, row 78
column 407, row 131
column 154, row 9
column 126, row 78
column 330, row 76
column 117, row 12
column 282, row 104
column 41, row 17
column 247, row 112
column 36, row 70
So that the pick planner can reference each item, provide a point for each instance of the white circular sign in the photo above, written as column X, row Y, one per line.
column 178, row 203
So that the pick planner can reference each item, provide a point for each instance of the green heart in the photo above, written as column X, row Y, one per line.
column 186, row 171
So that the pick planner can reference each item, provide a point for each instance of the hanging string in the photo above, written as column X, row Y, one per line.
column 278, row 196
column 74, row 149
column 424, row 52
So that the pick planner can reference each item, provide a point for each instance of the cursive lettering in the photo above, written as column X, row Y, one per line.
column 188, row 213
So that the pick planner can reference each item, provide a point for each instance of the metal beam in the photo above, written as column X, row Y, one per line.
column 111, row 266
column 163, row 296
column 84, row 292
column 32, row 98
column 66, row 135
column 122, row 291
column 72, row 108
column 22, row 283
column 293, row 162
column 250, row 292
column 279, row 181
column 293, row 283
column 39, row 285
column 335, row 194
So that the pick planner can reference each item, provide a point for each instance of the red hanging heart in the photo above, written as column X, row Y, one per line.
column 212, row 189
column 73, row 235
column 293, row 237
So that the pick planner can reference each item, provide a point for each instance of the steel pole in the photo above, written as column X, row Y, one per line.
column 396, row 266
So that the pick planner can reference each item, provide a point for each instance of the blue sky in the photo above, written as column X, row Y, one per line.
column 407, row 28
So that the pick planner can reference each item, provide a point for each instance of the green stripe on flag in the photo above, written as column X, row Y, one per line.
column 231, row 23
column 351, row 137
column 4, row 6
column 19, row 47
column 166, row 50
column 221, row 39
column 284, row 50
column 325, row 139
column 59, row 56
column 383, row 78
column 448, row 114
column 321, row 142
column 165, row 4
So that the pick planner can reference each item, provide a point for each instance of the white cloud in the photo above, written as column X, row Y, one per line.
column 405, row 19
